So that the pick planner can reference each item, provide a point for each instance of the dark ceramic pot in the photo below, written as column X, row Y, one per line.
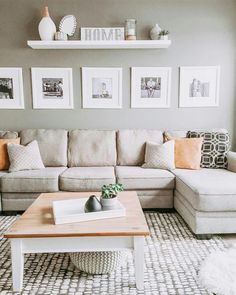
column 92, row 204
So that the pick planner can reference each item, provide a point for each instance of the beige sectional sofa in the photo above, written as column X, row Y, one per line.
column 84, row 160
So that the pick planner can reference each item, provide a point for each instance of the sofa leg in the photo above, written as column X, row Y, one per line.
column 203, row 236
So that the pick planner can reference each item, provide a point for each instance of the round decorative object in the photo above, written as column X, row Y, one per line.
column 154, row 33
column 60, row 36
column 68, row 25
column 92, row 204
column 96, row 262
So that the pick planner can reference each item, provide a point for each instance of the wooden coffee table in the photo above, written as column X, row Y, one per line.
column 35, row 232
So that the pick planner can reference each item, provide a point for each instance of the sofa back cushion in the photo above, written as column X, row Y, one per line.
column 52, row 145
column 92, row 148
column 176, row 134
column 8, row 134
column 131, row 145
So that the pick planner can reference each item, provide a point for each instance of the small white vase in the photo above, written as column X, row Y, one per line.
column 47, row 28
column 164, row 37
column 109, row 204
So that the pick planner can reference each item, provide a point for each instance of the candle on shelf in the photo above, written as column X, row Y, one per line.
column 130, row 29
column 131, row 32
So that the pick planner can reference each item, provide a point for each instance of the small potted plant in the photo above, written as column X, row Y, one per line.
column 164, row 34
column 109, row 195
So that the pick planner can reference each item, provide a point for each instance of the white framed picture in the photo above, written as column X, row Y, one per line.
column 199, row 86
column 150, row 87
column 52, row 88
column 11, row 88
column 102, row 87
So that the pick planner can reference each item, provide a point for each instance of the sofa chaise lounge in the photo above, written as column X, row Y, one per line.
column 84, row 160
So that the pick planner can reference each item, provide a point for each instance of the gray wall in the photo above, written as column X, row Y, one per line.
column 202, row 32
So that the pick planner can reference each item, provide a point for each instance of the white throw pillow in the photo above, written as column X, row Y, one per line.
column 24, row 157
column 160, row 156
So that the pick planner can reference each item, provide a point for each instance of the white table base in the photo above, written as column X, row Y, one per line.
column 21, row 246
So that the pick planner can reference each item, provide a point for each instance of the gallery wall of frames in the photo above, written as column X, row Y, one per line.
column 52, row 88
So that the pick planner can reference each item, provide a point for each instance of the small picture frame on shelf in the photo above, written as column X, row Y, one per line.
column 11, row 88
column 102, row 88
column 199, row 86
column 52, row 88
column 150, row 87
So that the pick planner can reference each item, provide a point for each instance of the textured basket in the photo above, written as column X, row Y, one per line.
column 96, row 262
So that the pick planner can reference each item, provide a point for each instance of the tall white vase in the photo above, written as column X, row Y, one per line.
column 47, row 28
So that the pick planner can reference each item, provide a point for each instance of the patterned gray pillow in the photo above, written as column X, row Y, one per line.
column 214, row 149
column 24, row 157
column 160, row 156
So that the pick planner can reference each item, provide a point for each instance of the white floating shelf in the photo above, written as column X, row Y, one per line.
column 137, row 44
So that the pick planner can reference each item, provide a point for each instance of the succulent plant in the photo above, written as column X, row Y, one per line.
column 164, row 33
column 111, row 190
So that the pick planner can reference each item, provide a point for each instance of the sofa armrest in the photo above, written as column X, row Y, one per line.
column 231, row 161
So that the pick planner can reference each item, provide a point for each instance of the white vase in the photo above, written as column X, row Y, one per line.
column 47, row 28
column 154, row 33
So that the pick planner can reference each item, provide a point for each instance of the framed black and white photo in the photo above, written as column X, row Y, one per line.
column 102, row 87
column 150, row 87
column 11, row 88
column 52, row 88
column 199, row 86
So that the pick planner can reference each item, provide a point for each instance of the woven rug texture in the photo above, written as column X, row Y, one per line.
column 172, row 259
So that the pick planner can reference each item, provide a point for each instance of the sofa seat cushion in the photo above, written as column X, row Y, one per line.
column 86, row 178
column 140, row 178
column 32, row 181
column 207, row 189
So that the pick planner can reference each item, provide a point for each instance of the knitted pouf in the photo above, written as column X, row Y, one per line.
column 96, row 262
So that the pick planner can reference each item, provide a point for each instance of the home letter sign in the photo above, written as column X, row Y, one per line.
column 102, row 34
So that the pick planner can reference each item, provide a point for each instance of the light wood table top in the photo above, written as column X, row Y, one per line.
column 38, row 221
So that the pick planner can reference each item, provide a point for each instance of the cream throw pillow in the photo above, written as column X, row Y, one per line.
column 24, row 157
column 160, row 156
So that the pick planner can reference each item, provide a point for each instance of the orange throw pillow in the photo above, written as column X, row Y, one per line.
column 4, row 159
column 188, row 153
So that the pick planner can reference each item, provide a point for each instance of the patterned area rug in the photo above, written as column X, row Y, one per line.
column 172, row 257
